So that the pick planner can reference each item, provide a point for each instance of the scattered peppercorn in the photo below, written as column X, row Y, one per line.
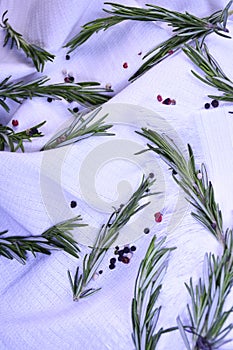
column 215, row 103
column 49, row 99
column 174, row 172
column 67, row 80
column 33, row 131
column 214, row 225
column 112, row 266
column 159, row 98
column 73, row 204
column 126, row 250
column 173, row 102
column 125, row 260
column 67, row 57
column 71, row 79
column 75, row 109
column 15, row 122
column 146, row 230
column 125, row 65
column 120, row 258
column 158, row 217
column 133, row 248
column 170, row 52
column 112, row 260
column 207, row 105
column 151, row 175
column 108, row 86
column 167, row 101
column 100, row 272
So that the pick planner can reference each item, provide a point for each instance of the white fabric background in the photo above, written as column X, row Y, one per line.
column 36, row 303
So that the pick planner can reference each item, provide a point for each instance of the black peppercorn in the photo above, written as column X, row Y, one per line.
column 67, row 57
column 73, row 204
column 133, row 248
column 207, row 105
column 215, row 103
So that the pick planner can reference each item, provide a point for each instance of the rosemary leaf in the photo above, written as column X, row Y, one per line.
column 207, row 315
column 86, row 93
column 15, row 140
column 104, row 240
column 186, row 27
column 192, row 180
column 214, row 75
column 144, row 313
column 57, row 237
column 38, row 55
column 79, row 129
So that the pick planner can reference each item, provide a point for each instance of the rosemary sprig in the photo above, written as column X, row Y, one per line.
column 79, row 129
column 144, row 312
column 86, row 93
column 38, row 55
column 192, row 180
column 15, row 140
column 214, row 75
column 57, row 237
column 187, row 27
column 207, row 314
column 105, row 238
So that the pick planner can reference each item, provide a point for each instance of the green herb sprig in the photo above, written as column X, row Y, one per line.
column 38, row 55
column 86, row 93
column 57, row 237
column 187, row 27
column 15, row 140
column 79, row 129
column 105, row 238
column 144, row 313
column 214, row 75
column 192, row 179
column 207, row 313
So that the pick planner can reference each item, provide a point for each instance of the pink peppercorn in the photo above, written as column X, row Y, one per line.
column 158, row 217
column 15, row 122
column 159, row 98
column 125, row 65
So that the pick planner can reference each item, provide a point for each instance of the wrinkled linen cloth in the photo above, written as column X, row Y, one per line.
column 36, row 188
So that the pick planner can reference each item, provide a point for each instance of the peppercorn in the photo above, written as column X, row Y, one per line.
column 33, row 131
column 167, row 101
column 158, row 217
column 75, row 109
column 146, row 230
column 15, row 122
column 126, row 250
column 125, row 260
column 125, row 65
column 159, row 98
column 67, row 57
column 215, row 103
column 73, row 204
column 49, row 99
column 112, row 266
column 207, row 105
column 112, row 260
column 133, row 248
